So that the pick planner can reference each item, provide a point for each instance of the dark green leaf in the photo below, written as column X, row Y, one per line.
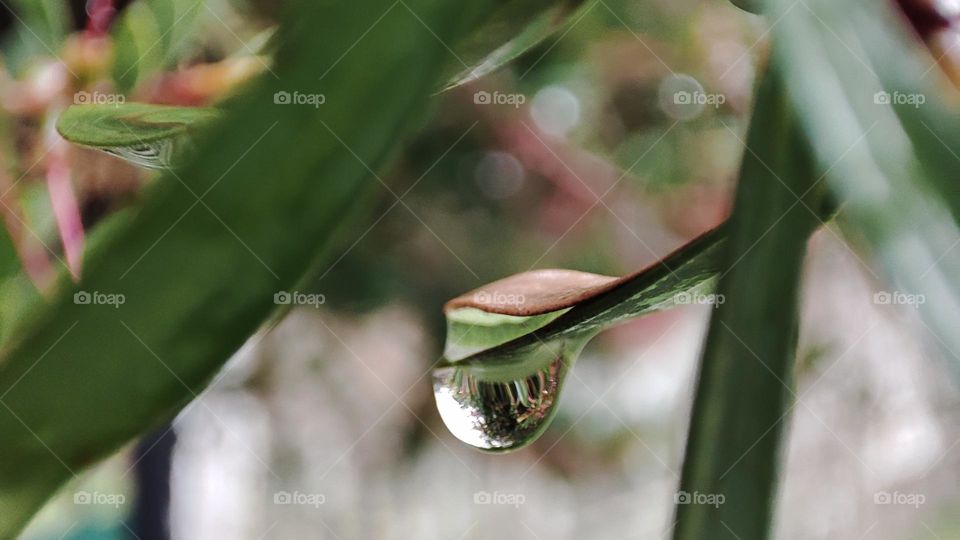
column 745, row 389
column 199, row 264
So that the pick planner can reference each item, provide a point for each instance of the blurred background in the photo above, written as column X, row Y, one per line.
column 575, row 156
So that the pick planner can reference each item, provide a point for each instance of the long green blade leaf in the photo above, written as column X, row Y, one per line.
column 168, row 295
column 744, row 388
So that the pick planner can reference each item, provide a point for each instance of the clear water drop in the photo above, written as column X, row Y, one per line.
column 503, row 404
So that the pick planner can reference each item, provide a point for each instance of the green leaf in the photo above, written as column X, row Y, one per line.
column 529, row 330
column 894, row 165
column 744, row 391
column 512, row 30
column 149, row 36
column 40, row 27
column 144, row 134
column 199, row 263
column 505, row 318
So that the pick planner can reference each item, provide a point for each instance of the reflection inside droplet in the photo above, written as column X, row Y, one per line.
column 153, row 155
column 505, row 405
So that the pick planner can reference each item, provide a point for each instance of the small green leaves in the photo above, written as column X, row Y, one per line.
column 144, row 134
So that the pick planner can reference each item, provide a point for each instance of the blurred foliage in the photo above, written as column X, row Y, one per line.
column 596, row 170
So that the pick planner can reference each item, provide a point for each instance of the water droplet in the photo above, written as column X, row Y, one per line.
column 503, row 404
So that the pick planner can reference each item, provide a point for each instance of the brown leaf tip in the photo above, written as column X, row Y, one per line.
column 535, row 292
